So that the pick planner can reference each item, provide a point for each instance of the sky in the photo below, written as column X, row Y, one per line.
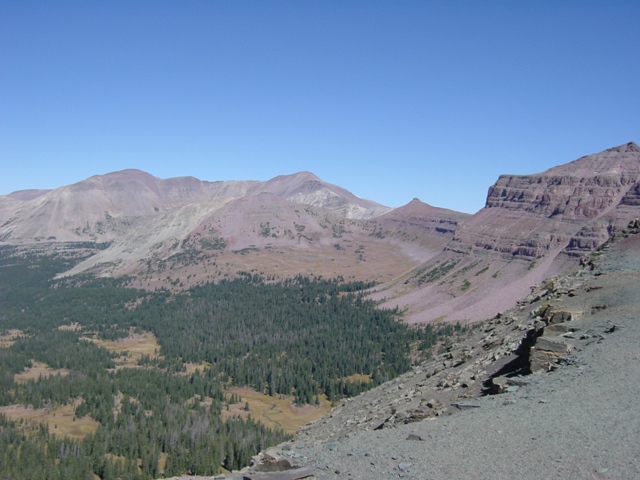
column 389, row 99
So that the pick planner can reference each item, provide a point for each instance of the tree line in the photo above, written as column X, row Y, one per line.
column 304, row 337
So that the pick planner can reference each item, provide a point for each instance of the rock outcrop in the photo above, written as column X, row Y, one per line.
column 532, row 227
column 533, row 215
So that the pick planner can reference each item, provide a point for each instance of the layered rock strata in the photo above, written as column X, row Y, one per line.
column 532, row 227
column 533, row 215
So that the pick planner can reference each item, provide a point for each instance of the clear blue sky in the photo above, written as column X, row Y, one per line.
column 389, row 99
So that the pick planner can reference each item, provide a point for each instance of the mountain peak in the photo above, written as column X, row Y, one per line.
column 126, row 173
column 417, row 208
column 630, row 147
column 623, row 159
column 305, row 175
column 296, row 177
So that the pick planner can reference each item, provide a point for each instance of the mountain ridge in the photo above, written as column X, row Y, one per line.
column 132, row 192
column 433, row 263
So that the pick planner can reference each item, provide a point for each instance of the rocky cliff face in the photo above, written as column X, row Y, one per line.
column 532, row 227
column 579, row 204
column 532, row 215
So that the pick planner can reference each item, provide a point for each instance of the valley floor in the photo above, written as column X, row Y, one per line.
column 579, row 421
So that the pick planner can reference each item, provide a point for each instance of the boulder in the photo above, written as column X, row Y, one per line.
column 546, row 352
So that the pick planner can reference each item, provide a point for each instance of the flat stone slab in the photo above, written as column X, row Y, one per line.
column 466, row 406
column 419, row 436
column 294, row 474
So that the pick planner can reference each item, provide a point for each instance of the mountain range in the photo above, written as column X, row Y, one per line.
column 433, row 263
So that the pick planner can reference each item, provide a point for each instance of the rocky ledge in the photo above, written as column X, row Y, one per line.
column 574, row 206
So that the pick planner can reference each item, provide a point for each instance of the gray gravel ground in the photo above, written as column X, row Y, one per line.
column 581, row 421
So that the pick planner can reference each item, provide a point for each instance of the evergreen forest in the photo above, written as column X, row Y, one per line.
column 307, row 338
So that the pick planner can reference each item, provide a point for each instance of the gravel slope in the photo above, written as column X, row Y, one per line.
column 580, row 421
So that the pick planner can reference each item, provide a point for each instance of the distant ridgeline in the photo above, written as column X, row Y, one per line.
column 301, row 337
